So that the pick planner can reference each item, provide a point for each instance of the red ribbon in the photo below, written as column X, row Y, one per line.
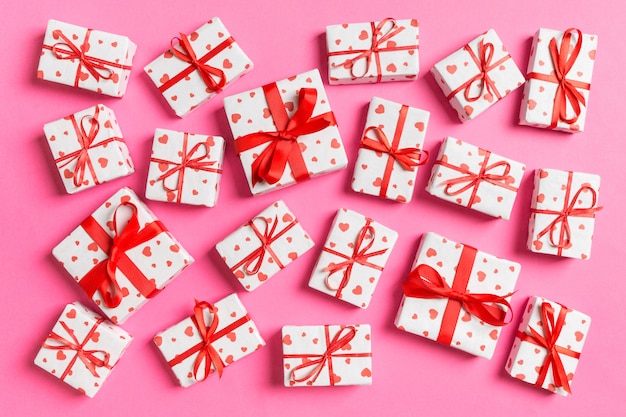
column 206, row 71
column 472, row 180
column 206, row 352
column 562, row 216
column 551, row 331
column 197, row 163
column 359, row 256
column 98, row 68
column 425, row 282
column 378, row 38
column 283, row 145
column 484, row 64
column 563, row 59
column 408, row 158
column 339, row 341
column 88, row 357
column 102, row 277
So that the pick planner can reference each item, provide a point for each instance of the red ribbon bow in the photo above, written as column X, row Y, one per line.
column 563, row 59
column 359, row 256
column 96, row 67
column 102, row 277
column 283, row 146
column 188, row 55
column 88, row 357
column 551, row 331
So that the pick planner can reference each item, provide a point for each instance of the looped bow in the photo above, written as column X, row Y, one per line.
column 485, row 56
column 85, row 139
column 425, row 282
column 472, row 180
column 408, row 158
column 190, row 160
column 205, row 70
column 95, row 66
column 266, row 238
column 207, row 353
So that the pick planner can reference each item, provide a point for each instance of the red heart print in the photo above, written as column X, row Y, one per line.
column 451, row 68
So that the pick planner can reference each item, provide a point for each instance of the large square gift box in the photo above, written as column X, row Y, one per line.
column 209, row 340
column 477, row 76
column 548, row 345
column 329, row 355
column 88, row 148
column 562, row 213
column 285, row 132
column 198, row 66
column 185, row 168
column 559, row 74
column 373, row 52
column 264, row 245
column 391, row 150
column 82, row 348
column 122, row 255
column 457, row 295
column 476, row 178
column 353, row 258
column 86, row 58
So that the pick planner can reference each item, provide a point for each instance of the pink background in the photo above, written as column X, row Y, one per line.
column 283, row 37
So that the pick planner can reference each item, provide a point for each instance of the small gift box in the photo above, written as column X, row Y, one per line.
column 215, row 336
column 562, row 213
column 475, row 178
column 82, row 349
column 477, row 76
column 88, row 148
column 86, row 58
column 457, row 295
column 391, row 150
column 263, row 246
column 373, row 52
column 559, row 78
column 198, row 66
column 185, row 168
column 285, row 132
column 327, row 355
column 548, row 344
column 353, row 258
column 121, row 255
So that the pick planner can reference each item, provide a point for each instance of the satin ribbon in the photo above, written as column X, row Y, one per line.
column 484, row 63
column 562, row 216
column 207, row 72
column 283, row 148
column 97, row 67
column 88, row 357
column 425, row 282
column 472, row 180
column 407, row 158
column 379, row 36
column 359, row 256
column 563, row 59
column 551, row 330
column 207, row 353
column 317, row 362
column 102, row 277
column 189, row 160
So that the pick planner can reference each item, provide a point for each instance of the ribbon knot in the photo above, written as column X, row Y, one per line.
column 96, row 67
column 408, row 158
column 206, row 71
column 207, row 353
column 266, row 237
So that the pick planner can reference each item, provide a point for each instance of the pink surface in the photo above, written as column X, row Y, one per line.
column 411, row 375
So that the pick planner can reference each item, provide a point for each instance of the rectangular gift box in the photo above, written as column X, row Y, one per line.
column 444, row 273
column 476, row 178
column 185, row 168
column 88, row 148
column 215, row 336
column 285, row 132
column 353, row 258
column 562, row 213
column 477, row 76
column 82, row 349
column 391, row 150
column 548, row 345
column 373, row 52
column 125, row 237
column 548, row 102
column 328, row 355
column 185, row 85
column 86, row 58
